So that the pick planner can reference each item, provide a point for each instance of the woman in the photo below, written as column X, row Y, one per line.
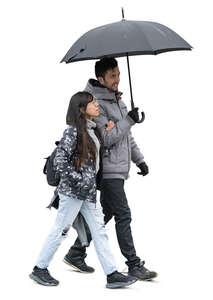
column 77, row 161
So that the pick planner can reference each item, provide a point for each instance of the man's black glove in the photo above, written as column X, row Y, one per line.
column 144, row 169
column 134, row 114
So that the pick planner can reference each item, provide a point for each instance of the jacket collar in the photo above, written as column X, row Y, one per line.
column 100, row 92
column 91, row 124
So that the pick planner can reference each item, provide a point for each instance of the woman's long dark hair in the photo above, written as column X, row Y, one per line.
column 85, row 145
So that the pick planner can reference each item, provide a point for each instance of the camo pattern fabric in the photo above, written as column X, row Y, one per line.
column 81, row 184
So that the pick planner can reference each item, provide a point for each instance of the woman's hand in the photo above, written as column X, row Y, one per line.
column 109, row 125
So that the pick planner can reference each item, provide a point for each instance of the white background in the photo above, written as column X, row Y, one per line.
column 171, row 207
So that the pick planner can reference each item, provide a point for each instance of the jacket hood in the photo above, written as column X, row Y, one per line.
column 101, row 92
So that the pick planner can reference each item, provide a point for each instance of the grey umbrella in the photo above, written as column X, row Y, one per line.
column 125, row 38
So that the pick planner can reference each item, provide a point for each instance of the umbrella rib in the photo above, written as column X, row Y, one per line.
column 147, row 40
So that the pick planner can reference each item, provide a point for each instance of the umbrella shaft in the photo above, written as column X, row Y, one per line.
column 130, row 84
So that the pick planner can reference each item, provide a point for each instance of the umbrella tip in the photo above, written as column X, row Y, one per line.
column 122, row 10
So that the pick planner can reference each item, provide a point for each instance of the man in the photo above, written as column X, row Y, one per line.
column 120, row 148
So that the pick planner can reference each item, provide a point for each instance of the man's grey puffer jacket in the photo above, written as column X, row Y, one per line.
column 120, row 147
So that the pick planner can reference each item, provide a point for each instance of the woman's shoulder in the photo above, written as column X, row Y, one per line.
column 69, row 137
column 70, row 131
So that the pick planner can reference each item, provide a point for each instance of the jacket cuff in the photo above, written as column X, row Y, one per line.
column 130, row 120
column 142, row 161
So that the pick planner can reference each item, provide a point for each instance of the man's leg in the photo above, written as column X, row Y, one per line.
column 77, row 253
column 114, row 198
column 108, row 214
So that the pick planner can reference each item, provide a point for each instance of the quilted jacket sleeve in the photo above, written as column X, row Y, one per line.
column 120, row 129
column 136, row 155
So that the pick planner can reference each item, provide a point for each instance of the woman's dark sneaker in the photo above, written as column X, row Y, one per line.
column 142, row 273
column 42, row 276
column 80, row 265
column 118, row 280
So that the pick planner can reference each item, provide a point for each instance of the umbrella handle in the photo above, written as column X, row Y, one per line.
column 142, row 117
column 130, row 86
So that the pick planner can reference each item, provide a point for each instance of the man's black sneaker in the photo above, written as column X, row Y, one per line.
column 142, row 273
column 118, row 280
column 81, row 266
column 42, row 276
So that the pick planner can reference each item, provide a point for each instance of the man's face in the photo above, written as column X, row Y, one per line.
column 111, row 79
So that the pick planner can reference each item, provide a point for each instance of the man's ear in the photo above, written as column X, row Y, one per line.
column 101, row 80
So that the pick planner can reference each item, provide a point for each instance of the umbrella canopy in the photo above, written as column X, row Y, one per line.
column 125, row 37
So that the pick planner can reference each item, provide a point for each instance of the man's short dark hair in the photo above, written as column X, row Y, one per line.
column 103, row 65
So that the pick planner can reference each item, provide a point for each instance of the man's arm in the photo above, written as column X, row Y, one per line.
column 136, row 155
column 138, row 158
column 120, row 129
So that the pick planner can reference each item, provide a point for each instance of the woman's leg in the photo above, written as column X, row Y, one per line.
column 67, row 212
column 94, row 217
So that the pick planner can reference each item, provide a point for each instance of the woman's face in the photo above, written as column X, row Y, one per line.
column 92, row 109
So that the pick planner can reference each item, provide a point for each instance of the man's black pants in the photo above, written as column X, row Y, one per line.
column 114, row 203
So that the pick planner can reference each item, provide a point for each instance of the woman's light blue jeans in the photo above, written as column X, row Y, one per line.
column 68, row 209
